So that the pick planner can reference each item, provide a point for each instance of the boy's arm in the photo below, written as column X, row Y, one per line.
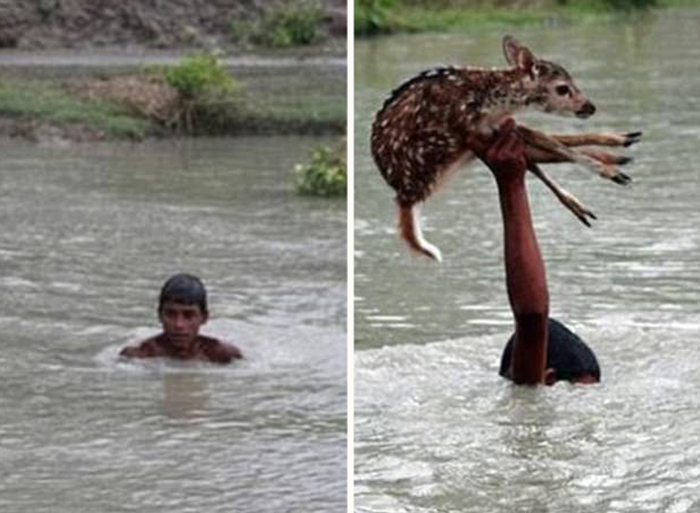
column 525, row 274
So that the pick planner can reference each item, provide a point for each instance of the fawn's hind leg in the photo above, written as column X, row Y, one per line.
column 410, row 230
column 566, row 198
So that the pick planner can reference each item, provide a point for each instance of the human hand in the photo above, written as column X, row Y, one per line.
column 505, row 153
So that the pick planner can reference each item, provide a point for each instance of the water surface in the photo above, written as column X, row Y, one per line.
column 90, row 232
column 436, row 429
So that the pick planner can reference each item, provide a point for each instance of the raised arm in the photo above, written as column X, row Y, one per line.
column 525, row 274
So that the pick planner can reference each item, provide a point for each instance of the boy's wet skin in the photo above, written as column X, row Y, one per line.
column 182, row 312
column 542, row 350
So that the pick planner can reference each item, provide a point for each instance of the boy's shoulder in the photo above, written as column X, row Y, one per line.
column 219, row 351
column 149, row 348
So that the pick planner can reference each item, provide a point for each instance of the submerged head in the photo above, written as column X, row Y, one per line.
column 568, row 357
column 549, row 86
column 182, row 308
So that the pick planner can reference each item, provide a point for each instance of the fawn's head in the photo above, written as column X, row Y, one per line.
column 548, row 86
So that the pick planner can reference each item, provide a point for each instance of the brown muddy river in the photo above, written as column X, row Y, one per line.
column 90, row 232
column 436, row 428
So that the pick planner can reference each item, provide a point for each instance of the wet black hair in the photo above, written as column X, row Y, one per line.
column 185, row 289
column 567, row 355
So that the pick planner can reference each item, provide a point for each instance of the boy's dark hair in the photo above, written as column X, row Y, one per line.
column 567, row 355
column 185, row 289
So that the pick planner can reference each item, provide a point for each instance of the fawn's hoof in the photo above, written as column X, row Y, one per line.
column 632, row 138
column 622, row 179
column 583, row 217
column 621, row 161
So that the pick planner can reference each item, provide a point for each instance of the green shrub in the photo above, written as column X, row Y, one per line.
column 200, row 76
column 376, row 17
column 619, row 5
column 326, row 174
column 628, row 5
column 200, row 81
column 281, row 26
column 372, row 17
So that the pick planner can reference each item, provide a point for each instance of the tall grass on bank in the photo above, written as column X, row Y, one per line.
column 198, row 96
column 620, row 5
column 281, row 25
column 31, row 100
column 215, row 103
column 374, row 17
column 210, row 101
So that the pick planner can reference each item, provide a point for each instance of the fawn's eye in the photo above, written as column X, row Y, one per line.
column 562, row 90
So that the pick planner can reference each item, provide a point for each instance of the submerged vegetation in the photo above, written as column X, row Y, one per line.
column 326, row 172
column 373, row 17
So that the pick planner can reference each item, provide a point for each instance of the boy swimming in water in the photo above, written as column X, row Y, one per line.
column 182, row 310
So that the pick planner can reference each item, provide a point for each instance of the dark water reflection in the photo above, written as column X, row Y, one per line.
column 436, row 429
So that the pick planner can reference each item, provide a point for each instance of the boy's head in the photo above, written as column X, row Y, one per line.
column 182, row 308
column 568, row 357
column 184, row 289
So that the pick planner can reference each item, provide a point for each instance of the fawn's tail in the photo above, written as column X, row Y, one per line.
column 409, row 227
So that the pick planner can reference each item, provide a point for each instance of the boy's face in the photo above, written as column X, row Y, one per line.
column 181, row 322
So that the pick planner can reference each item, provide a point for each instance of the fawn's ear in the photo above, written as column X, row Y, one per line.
column 518, row 55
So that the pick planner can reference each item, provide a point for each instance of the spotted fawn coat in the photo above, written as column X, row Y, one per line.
column 429, row 124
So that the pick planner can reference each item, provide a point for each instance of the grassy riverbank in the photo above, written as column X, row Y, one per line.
column 143, row 103
column 34, row 108
column 375, row 17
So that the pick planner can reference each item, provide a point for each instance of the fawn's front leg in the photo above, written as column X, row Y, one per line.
column 544, row 148
column 599, row 139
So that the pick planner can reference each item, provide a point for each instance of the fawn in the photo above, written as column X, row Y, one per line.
column 430, row 124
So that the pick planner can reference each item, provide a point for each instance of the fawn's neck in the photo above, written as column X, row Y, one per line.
column 496, row 95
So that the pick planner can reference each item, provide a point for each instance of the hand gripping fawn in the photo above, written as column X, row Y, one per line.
column 435, row 122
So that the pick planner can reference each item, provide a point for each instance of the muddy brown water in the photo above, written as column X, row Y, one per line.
column 436, row 429
column 89, row 234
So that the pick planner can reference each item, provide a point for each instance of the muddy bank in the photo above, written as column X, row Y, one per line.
column 139, row 103
column 61, row 61
column 50, row 24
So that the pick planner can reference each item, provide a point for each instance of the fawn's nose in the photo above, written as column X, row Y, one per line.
column 586, row 111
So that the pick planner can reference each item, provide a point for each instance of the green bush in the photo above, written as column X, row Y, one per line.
column 375, row 17
column 281, row 26
column 200, row 81
column 620, row 5
column 325, row 175
column 199, row 76
column 628, row 5
column 372, row 16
